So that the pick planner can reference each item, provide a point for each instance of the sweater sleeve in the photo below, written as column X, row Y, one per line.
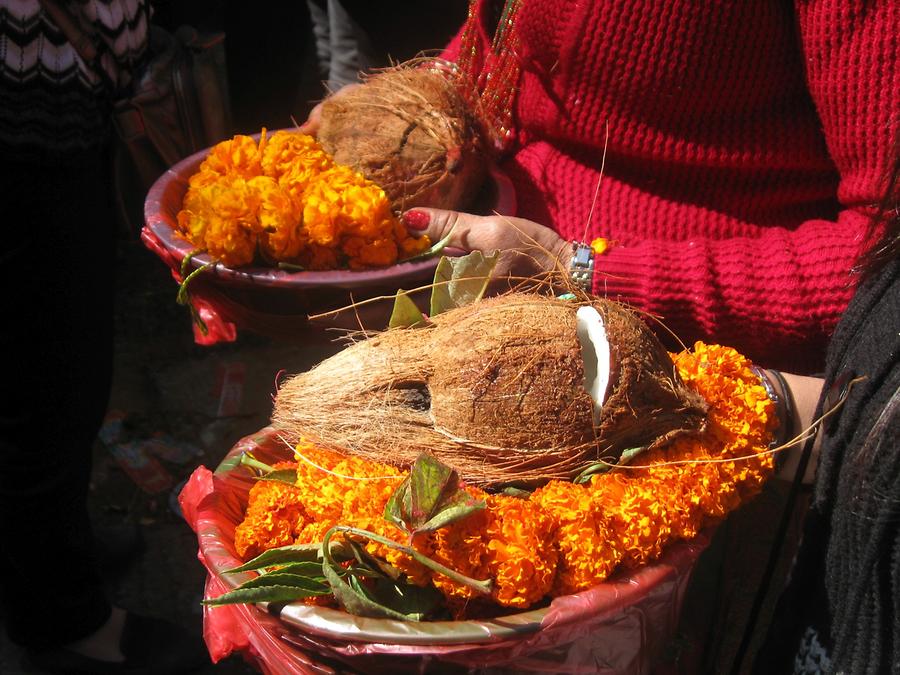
column 781, row 292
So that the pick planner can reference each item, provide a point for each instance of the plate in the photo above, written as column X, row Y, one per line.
column 165, row 198
column 634, row 599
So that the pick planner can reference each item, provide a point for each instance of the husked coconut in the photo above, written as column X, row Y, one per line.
column 513, row 390
column 409, row 130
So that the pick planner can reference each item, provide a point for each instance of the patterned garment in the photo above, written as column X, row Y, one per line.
column 53, row 103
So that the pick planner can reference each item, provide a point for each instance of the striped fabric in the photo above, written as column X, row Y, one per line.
column 51, row 102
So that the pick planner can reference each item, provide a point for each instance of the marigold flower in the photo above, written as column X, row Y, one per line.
column 237, row 156
column 284, row 198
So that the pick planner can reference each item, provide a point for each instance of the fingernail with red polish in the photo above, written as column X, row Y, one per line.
column 416, row 220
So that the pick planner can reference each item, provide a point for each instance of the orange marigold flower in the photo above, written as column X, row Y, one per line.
column 286, row 151
column 281, row 237
column 285, row 198
column 239, row 156
column 274, row 516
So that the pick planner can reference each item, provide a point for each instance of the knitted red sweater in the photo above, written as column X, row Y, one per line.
column 746, row 141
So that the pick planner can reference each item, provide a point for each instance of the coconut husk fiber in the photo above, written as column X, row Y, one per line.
column 495, row 390
column 409, row 130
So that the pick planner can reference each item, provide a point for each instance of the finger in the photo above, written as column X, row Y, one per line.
column 311, row 125
column 439, row 223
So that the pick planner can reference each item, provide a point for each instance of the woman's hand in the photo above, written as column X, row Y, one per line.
column 527, row 249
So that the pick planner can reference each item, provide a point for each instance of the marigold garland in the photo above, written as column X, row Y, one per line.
column 285, row 199
column 565, row 537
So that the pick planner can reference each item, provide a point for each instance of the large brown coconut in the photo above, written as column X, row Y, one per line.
column 409, row 130
column 497, row 390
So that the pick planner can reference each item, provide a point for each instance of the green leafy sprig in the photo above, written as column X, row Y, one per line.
column 431, row 497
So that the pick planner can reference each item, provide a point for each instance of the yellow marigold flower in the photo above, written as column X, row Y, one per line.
column 411, row 246
column 461, row 546
column 294, row 157
column 362, row 253
column 600, row 245
column 281, row 237
column 229, row 221
column 233, row 243
column 203, row 178
column 521, row 558
column 286, row 198
column 587, row 554
column 238, row 156
column 192, row 218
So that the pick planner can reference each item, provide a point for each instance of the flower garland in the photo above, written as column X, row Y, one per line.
column 286, row 199
column 564, row 537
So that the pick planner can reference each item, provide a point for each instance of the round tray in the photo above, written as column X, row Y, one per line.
column 278, row 303
column 165, row 198
column 632, row 615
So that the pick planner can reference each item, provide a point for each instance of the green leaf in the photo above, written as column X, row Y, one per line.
column 518, row 493
column 405, row 313
column 461, row 281
column 311, row 569
column 429, row 498
column 629, row 454
column 288, row 476
column 260, row 594
column 305, row 585
column 591, row 470
column 350, row 597
column 415, row 602
column 229, row 464
column 283, row 555
column 370, row 565
column 248, row 460
column 602, row 467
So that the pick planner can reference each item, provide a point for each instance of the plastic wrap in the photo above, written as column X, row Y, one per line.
column 621, row 626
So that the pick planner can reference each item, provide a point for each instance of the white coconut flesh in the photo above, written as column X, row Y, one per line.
column 595, row 353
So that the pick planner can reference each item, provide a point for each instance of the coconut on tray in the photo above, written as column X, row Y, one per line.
column 500, row 390
column 495, row 456
column 411, row 130
column 404, row 137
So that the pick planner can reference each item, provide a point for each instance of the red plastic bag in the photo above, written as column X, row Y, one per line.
column 621, row 626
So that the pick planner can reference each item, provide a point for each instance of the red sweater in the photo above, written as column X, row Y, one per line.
column 747, row 141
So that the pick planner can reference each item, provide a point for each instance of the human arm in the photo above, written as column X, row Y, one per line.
column 804, row 393
column 737, row 187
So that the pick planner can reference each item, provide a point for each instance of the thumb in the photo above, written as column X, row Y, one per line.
column 439, row 223
column 313, row 121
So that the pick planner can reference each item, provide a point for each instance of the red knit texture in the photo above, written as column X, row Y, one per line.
column 746, row 145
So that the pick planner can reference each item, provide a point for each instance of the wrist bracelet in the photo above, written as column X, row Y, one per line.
column 786, row 400
column 784, row 407
column 581, row 269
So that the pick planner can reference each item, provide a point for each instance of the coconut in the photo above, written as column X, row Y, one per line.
column 513, row 390
column 409, row 130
